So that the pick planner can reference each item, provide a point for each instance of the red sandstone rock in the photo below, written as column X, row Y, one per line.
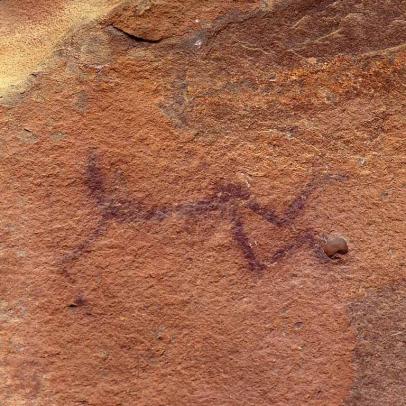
column 169, row 171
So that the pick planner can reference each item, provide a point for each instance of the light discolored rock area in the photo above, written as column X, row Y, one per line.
column 170, row 173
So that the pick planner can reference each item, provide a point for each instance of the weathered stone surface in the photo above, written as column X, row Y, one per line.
column 169, row 173
column 380, row 357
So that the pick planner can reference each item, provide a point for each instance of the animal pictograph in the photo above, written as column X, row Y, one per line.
column 227, row 201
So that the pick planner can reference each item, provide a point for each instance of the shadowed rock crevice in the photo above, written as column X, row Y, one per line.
column 136, row 38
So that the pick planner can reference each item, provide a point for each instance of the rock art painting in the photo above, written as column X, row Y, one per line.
column 202, row 202
column 224, row 202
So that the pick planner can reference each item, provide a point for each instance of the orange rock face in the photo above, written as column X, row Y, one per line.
column 170, row 173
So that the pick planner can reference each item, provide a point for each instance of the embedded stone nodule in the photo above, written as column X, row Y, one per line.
column 336, row 245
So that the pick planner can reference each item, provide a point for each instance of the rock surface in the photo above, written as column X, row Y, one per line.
column 169, row 173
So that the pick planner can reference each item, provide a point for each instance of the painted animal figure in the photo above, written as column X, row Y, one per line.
column 227, row 200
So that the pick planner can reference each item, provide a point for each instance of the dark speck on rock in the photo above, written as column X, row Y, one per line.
column 78, row 301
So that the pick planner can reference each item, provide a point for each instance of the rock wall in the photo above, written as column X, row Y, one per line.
column 173, row 174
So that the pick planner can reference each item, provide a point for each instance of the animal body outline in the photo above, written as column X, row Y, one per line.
column 227, row 199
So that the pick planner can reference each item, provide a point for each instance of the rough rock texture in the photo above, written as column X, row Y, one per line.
column 170, row 171
column 380, row 357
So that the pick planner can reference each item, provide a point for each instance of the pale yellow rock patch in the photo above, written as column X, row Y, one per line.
column 24, row 48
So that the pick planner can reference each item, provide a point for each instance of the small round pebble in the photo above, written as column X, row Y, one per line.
column 336, row 245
